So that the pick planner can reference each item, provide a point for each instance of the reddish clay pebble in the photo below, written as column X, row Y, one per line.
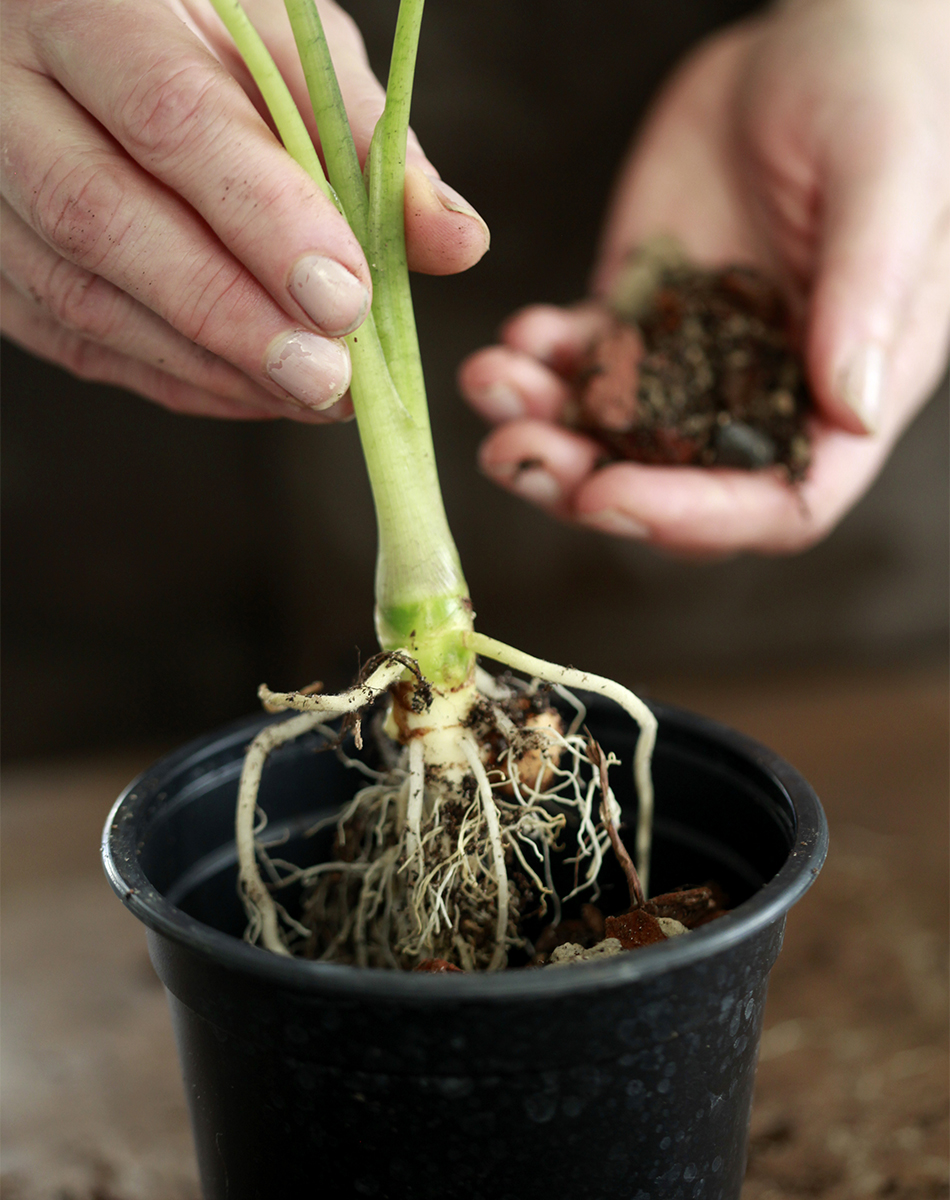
column 635, row 929
column 437, row 966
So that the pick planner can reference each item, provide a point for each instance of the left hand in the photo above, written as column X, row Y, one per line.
column 812, row 142
column 156, row 235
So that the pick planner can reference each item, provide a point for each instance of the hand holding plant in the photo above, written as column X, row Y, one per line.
column 155, row 233
column 812, row 142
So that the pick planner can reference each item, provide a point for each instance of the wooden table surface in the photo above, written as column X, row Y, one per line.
column 852, row 1091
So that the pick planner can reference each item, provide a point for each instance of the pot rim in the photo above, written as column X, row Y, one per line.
column 764, row 908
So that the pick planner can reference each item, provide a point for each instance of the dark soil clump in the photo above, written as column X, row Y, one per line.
column 699, row 368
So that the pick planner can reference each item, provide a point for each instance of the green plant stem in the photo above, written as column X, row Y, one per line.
column 421, row 595
column 339, row 152
column 386, row 234
column 277, row 97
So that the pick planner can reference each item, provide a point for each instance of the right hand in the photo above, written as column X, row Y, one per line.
column 809, row 142
column 155, row 234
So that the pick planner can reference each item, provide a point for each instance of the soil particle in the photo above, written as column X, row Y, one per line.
column 594, row 919
column 526, row 712
column 571, row 952
column 698, row 367
column 646, row 922
column 530, row 767
column 690, row 906
column 586, row 932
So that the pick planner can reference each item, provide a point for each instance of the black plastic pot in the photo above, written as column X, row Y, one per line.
column 628, row 1078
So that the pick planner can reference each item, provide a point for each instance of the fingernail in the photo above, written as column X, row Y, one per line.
column 530, row 480
column 313, row 369
column 862, row 385
column 612, row 520
column 499, row 402
column 331, row 296
column 452, row 201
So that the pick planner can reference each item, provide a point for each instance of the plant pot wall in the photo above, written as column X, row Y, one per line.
column 630, row 1077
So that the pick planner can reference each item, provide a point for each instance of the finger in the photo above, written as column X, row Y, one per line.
column 99, row 312
column 885, row 215
column 542, row 463
column 559, row 337
column 502, row 384
column 28, row 325
column 96, row 208
column 188, row 123
column 702, row 511
column 693, row 511
column 444, row 234
column 920, row 350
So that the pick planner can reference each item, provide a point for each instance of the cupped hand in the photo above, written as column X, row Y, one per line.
column 813, row 143
column 156, row 235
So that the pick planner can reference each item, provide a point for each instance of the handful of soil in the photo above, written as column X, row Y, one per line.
column 698, row 367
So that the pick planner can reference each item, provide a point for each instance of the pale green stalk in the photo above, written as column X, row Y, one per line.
column 386, row 235
column 329, row 111
column 421, row 595
column 277, row 97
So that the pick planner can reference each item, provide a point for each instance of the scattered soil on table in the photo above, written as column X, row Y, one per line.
column 851, row 1089
column 698, row 367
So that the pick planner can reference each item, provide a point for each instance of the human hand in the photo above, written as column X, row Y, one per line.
column 813, row 143
column 155, row 234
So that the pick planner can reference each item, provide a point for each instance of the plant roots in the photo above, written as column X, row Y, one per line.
column 443, row 854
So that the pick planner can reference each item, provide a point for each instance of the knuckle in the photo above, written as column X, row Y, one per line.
column 169, row 109
column 262, row 204
column 81, row 302
column 82, row 358
column 76, row 208
column 32, row 328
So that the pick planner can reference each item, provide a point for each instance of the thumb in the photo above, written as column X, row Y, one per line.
column 881, row 214
column 444, row 233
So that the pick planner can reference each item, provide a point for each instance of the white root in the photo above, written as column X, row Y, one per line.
column 552, row 673
column 417, row 786
column 443, row 897
column 262, row 911
column 500, row 954
column 358, row 697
